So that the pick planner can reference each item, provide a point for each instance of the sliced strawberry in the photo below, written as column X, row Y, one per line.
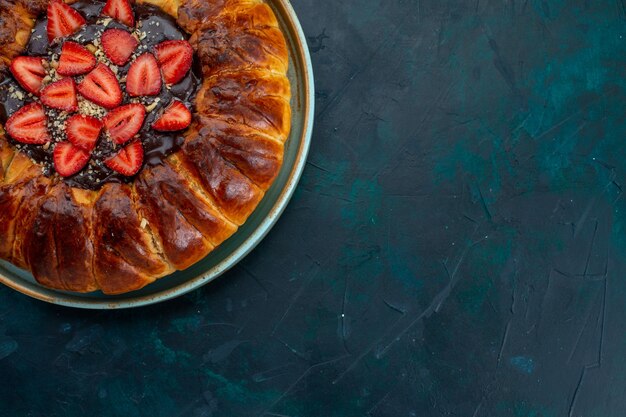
column 75, row 60
column 175, row 117
column 118, row 45
column 60, row 95
column 125, row 122
column 29, row 72
column 69, row 159
column 144, row 78
column 175, row 58
column 101, row 87
column 128, row 161
column 62, row 20
column 119, row 10
column 28, row 125
column 83, row 131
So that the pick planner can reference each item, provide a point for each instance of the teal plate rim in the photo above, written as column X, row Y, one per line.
column 250, row 234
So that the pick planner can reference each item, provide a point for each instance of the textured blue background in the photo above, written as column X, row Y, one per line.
column 457, row 246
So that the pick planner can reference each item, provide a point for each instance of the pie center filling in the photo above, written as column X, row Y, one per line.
column 101, row 91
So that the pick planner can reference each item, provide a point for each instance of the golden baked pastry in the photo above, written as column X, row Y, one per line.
column 136, row 136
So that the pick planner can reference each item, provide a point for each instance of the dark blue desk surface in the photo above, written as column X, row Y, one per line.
column 457, row 246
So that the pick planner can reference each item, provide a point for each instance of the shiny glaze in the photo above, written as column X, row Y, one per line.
column 183, row 244
column 233, row 192
column 158, row 27
column 117, row 225
column 67, row 264
column 257, row 157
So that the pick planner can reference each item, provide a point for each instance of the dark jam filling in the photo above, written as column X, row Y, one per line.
column 153, row 27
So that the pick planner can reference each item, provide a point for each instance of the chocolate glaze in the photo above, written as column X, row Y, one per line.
column 158, row 27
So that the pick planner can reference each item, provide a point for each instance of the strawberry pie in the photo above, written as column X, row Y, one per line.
column 135, row 136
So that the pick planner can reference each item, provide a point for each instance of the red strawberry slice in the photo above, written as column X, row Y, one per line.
column 124, row 122
column 62, row 20
column 60, row 95
column 175, row 117
column 28, row 125
column 29, row 72
column 175, row 58
column 119, row 10
column 101, row 87
column 75, row 60
column 144, row 78
column 118, row 45
column 83, row 131
column 69, row 159
column 128, row 161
